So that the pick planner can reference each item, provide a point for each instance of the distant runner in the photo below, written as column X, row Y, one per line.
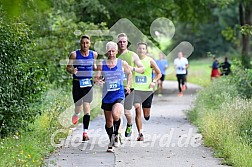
column 162, row 65
column 181, row 64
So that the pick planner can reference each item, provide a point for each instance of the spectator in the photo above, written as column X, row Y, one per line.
column 225, row 67
column 215, row 69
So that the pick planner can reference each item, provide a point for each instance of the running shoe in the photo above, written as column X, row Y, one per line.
column 85, row 137
column 140, row 137
column 183, row 87
column 116, row 141
column 180, row 94
column 111, row 144
column 128, row 130
column 75, row 118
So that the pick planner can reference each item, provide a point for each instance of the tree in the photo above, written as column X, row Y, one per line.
column 245, row 12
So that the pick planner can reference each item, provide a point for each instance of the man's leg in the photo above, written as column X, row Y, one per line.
column 138, row 120
column 159, row 87
column 116, row 113
column 127, row 112
column 146, row 105
column 179, row 85
column 179, row 82
column 77, row 97
column 86, row 117
column 87, row 99
column 86, row 120
column 109, row 129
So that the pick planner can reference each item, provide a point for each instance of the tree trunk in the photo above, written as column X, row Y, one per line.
column 245, row 11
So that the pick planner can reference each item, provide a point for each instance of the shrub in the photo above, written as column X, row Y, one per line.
column 223, row 113
column 22, row 78
column 243, row 81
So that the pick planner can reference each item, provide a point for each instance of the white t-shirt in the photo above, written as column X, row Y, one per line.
column 180, row 65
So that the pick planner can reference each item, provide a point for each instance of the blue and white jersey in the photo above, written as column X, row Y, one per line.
column 113, row 88
column 84, row 64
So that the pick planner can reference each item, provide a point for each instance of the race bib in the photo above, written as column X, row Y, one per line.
column 141, row 79
column 85, row 83
column 113, row 86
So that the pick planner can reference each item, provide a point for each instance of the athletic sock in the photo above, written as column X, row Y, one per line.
column 109, row 131
column 116, row 126
column 86, row 120
column 147, row 118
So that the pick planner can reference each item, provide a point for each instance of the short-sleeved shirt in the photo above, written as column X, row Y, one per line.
column 162, row 64
column 181, row 65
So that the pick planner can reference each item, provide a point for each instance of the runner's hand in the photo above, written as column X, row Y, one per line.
column 127, row 90
column 152, row 85
column 75, row 70
column 99, row 82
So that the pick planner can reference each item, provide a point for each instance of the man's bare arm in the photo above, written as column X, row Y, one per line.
column 69, row 68
column 95, row 58
column 138, row 63
column 127, row 71
column 156, row 70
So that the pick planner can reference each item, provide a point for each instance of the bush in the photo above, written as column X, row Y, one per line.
column 223, row 113
column 22, row 78
column 243, row 81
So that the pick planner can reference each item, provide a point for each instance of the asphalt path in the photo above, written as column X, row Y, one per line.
column 169, row 139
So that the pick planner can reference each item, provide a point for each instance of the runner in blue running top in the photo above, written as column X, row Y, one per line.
column 112, row 70
column 81, row 64
column 162, row 65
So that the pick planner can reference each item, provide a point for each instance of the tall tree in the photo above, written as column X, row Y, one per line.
column 245, row 11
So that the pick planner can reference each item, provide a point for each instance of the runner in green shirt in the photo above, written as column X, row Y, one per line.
column 136, row 67
column 144, row 87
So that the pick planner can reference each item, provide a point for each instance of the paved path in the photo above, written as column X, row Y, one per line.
column 170, row 140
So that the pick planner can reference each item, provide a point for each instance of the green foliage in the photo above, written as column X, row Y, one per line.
column 91, row 11
column 22, row 78
column 28, row 148
column 243, row 81
column 246, row 29
column 224, row 119
column 17, row 8
column 230, row 34
column 59, row 37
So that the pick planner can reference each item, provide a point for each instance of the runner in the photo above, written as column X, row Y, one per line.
column 81, row 64
column 186, row 73
column 162, row 65
column 181, row 64
column 112, row 69
column 136, row 66
column 144, row 88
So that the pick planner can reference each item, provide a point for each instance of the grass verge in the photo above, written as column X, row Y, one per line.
column 28, row 148
column 225, row 121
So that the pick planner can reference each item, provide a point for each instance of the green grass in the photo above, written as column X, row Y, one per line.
column 225, row 121
column 29, row 148
column 198, row 72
